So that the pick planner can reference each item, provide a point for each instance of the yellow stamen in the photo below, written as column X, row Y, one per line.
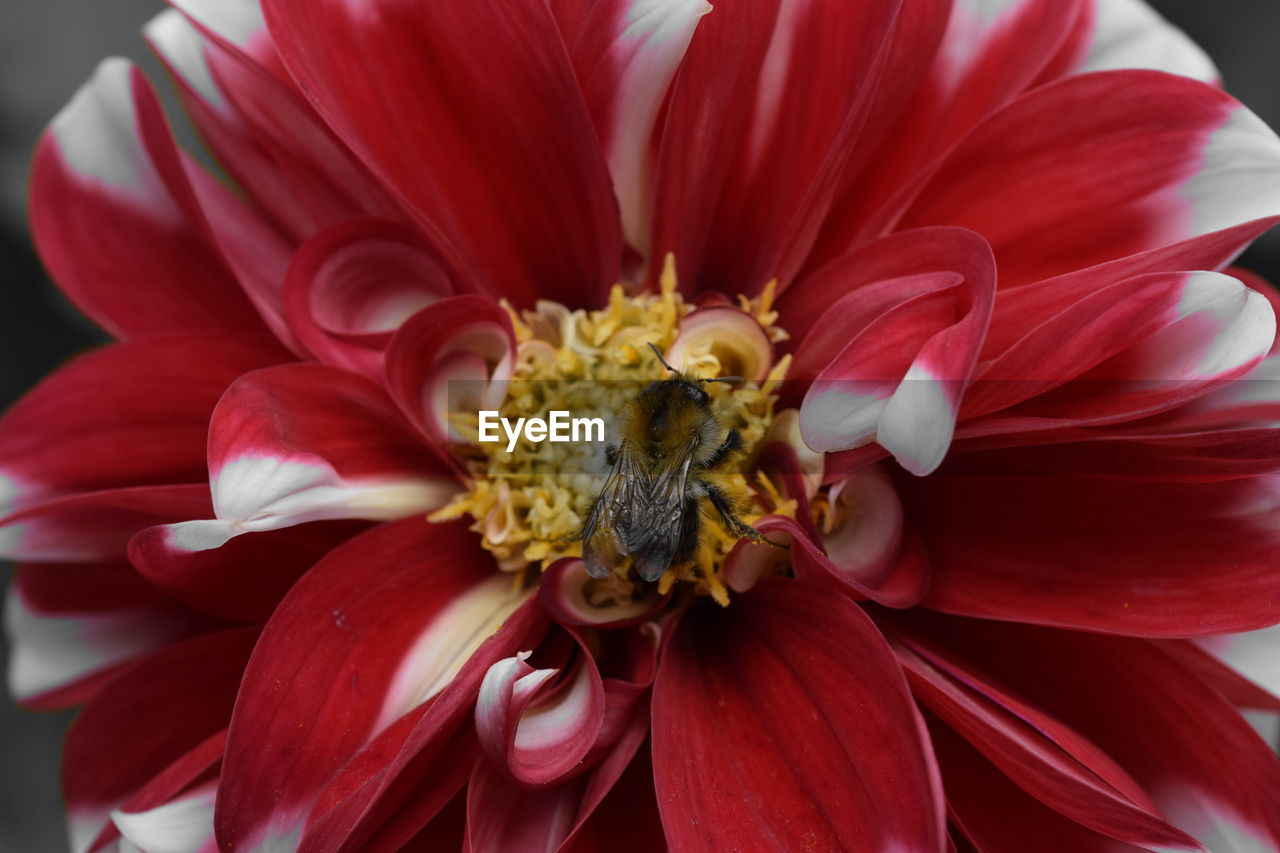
column 530, row 504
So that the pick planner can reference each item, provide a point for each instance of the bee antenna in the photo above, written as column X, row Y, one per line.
column 723, row 379
column 658, row 353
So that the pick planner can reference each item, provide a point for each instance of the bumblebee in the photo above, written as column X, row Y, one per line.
column 651, row 505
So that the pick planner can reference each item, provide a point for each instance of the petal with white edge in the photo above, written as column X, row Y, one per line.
column 1254, row 654
column 306, row 442
column 1130, row 34
column 538, row 727
column 183, row 825
column 116, row 221
column 356, row 654
column 625, row 54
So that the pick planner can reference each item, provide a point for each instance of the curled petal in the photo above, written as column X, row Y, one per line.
column 536, row 727
column 351, row 286
column 573, row 597
column 453, row 356
column 503, row 816
column 904, row 584
column 733, row 338
column 747, row 563
column 901, row 378
column 540, row 727
column 862, row 531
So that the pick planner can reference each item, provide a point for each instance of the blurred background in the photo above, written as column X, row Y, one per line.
column 48, row 48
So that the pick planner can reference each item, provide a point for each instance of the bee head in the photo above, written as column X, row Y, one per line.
column 703, row 396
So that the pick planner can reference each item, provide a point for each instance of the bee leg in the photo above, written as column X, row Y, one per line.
column 732, row 442
column 611, row 454
column 731, row 521
column 728, row 517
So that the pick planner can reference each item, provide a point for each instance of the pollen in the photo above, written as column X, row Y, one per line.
column 530, row 504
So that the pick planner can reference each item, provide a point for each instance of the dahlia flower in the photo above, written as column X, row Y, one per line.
column 1003, row 404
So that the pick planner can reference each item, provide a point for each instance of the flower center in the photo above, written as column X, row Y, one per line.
column 531, row 497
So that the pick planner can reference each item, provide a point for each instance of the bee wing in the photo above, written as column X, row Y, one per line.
column 661, row 518
column 603, row 545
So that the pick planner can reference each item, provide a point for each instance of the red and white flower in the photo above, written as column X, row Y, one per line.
column 1004, row 396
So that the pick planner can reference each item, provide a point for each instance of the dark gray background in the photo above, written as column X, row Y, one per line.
column 48, row 47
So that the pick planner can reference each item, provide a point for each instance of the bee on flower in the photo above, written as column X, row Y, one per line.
column 940, row 510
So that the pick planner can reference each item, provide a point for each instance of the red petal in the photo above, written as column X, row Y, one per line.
column 118, row 225
column 912, row 313
column 306, row 442
column 538, row 729
column 899, row 580
column 754, row 142
column 472, row 113
column 422, row 751
column 149, row 717
column 1234, row 686
column 95, row 526
column 245, row 579
column 755, row 710
column 343, row 657
column 625, row 54
column 1138, row 347
column 262, row 129
column 996, row 816
column 1065, row 177
column 128, row 415
column 1148, row 559
column 71, row 628
column 1045, row 758
column 1202, row 764
column 989, row 55
column 502, row 816
column 865, row 282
